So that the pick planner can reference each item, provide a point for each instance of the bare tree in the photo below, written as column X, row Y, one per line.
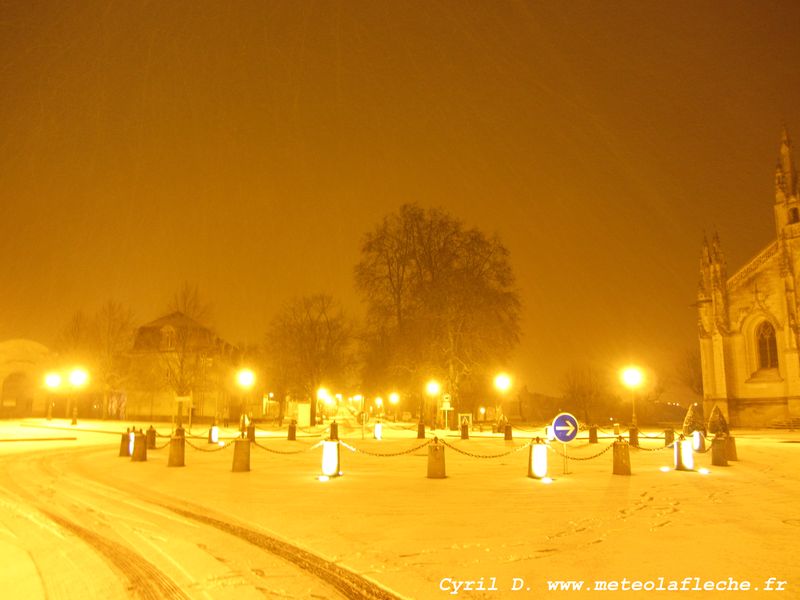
column 585, row 389
column 309, row 343
column 189, row 301
column 440, row 299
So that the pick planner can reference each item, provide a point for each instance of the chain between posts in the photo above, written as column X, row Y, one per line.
column 473, row 455
column 387, row 454
column 167, row 443
column 255, row 443
column 603, row 451
column 217, row 449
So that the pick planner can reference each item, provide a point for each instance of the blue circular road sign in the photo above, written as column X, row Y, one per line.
column 565, row 427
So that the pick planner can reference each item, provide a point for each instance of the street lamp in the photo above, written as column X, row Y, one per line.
column 52, row 381
column 245, row 379
column 632, row 377
column 502, row 382
column 394, row 400
column 433, row 388
column 78, row 378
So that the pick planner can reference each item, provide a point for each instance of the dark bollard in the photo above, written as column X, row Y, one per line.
column 669, row 437
column 464, row 430
column 139, row 447
column 75, row 416
column 593, row 434
column 616, row 428
column 421, row 430
column 241, row 455
column 180, row 431
column 622, row 458
column 151, row 438
column 125, row 444
column 508, row 433
column 730, row 448
column 436, row 469
column 292, row 431
column 719, row 456
column 633, row 436
column 334, row 431
column 177, row 451
column 251, row 432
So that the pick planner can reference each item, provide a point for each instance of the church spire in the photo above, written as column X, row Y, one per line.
column 787, row 201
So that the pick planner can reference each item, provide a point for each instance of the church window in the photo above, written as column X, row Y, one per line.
column 794, row 215
column 767, row 348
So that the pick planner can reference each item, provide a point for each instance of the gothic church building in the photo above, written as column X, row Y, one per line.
column 748, row 322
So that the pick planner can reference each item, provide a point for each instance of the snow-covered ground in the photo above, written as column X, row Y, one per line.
column 487, row 522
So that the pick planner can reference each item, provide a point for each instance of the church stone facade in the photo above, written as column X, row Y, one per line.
column 748, row 321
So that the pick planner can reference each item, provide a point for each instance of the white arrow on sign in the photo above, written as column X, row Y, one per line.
column 569, row 427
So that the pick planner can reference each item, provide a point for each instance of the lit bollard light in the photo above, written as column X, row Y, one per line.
column 436, row 466
column 698, row 441
column 213, row 435
column 537, row 460
column 131, row 437
column 331, row 460
column 719, row 456
column 177, row 451
column 684, row 456
column 241, row 455
column 378, row 431
column 622, row 458
column 139, row 453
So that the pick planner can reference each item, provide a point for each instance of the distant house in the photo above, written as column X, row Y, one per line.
column 22, row 367
column 179, row 365
column 748, row 322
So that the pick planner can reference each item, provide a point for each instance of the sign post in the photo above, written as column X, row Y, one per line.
column 565, row 428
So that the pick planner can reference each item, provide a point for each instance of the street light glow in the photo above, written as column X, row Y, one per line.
column 245, row 378
column 502, row 382
column 52, row 380
column 632, row 377
column 394, row 397
column 78, row 377
column 433, row 388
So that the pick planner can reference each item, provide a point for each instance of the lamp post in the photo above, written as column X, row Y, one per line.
column 78, row 378
column 52, row 381
column 245, row 379
column 502, row 382
column 632, row 378
column 433, row 388
column 394, row 400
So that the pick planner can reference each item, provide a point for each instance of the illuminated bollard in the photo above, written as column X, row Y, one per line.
column 421, row 430
column 251, row 432
column 633, row 436
column 684, row 456
column 334, row 431
column 537, row 460
column 151, row 438
column 331, row 460
column 669, row 437
column 177, row 451
column 241, row 455
column 593, row 434
column 436, row 468
column 719, row 456
column 730, row 448
column 508, row 435
column 292, row 435
column 378, row 431
column 213, row 434
column 125, row 444
column 698, row 441
column 464, row 429
column 139, row 453
column 622, row 458
column 131, row 436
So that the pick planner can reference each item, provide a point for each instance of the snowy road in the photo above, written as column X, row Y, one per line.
column 79, row 509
